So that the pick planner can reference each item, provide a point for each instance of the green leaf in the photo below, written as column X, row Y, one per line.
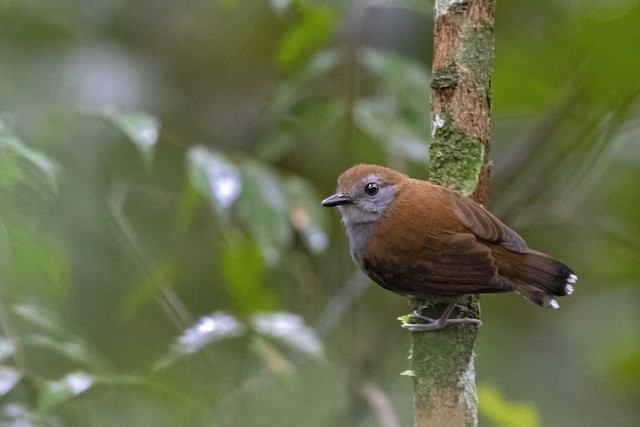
column 58, row 392
column 213, row 327
column 189, row 204
column 291, row 89
column 263, row 210
column 144, row 290
column 289, row 329
column 243, row 269
column 7, row 348
column 307, row 216
column 9, row 377
column 307, row 34
column 48, row 331
column 37, row 266
column 380, row 119
column 504, row 413
column 214, row 177
column 20, row 163
column 406, row 80
column 40, row 319
column 141, row 128
column 397, row 115
column 69, row 348
column 276, row 145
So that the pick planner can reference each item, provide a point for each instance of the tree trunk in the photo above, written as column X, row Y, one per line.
column 442, row 361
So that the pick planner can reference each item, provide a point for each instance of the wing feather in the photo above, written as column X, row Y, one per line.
column 486, row 226
column 457, row 266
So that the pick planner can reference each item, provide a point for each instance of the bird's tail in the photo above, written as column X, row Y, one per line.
column 537, row 276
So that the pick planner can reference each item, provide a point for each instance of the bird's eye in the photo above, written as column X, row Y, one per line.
column 371, row 188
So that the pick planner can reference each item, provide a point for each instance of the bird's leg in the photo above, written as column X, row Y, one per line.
column 440, row 323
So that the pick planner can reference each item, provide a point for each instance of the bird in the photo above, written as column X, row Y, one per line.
column 425, row 241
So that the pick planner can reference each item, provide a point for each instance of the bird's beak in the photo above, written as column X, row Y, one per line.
column 337, row 199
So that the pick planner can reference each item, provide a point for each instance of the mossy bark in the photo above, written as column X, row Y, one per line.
column 443, row 361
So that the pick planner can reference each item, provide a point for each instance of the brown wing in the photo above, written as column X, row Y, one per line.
column 460, row 265
column 486, row 226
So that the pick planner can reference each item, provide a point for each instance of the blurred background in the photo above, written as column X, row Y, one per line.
column 164, row 259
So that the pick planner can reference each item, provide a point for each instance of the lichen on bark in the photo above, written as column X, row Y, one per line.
column 445, row 77
column 446, row 378
column 456, row 159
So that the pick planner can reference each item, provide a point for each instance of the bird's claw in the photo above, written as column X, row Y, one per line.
column 436, row 324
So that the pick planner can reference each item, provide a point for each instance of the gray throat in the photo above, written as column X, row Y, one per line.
column 358, row 235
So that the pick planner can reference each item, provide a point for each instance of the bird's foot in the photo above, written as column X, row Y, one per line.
column 437, row 324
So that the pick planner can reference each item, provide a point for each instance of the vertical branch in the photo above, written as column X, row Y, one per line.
column 442, row 362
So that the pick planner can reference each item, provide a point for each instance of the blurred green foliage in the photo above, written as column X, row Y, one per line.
column 507, row 414
column 164, row 260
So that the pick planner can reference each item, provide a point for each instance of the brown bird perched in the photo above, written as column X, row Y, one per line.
column 420, row 239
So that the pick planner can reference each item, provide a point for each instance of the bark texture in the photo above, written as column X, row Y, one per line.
column 442, row 362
